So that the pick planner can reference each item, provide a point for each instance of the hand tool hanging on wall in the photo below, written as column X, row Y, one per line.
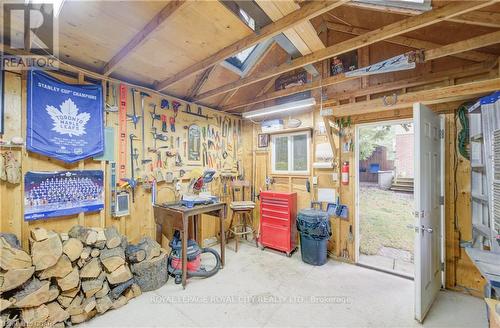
column 154, row 116
column 175, row 106
column 199, row 113
column 172, row 123
column 164, row 104
column 134, row 118
column 114, row 107
column 122, row 124
column 164, row 123
column 143, row 141
column 133, row 157
column 158, row 136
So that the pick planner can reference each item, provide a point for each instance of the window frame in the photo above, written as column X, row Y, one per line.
column 290, row 136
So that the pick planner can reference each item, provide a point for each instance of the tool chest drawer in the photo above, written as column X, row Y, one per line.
column 278, row 211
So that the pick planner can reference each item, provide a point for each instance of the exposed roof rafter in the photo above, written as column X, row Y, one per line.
column 199, row 83
column 308, row 11
column 383, row 33
column 142, row 35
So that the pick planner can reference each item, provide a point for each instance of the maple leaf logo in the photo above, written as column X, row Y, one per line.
column 67, row 120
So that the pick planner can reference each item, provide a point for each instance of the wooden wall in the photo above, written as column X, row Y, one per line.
column 140, row 222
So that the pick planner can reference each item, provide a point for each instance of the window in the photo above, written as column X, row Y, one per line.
column 241, row 57
column 290, row 153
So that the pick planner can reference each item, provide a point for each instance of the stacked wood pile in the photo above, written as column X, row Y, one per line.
column 71, row 277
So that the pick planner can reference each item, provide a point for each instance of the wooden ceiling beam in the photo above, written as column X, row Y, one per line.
column 142, row 35
column 199, row 83
column 404, row 26
column 411, row 42
column 462, row 46
column 430, row 96
column 308, row 11
column 481, row 18
column 468, row 70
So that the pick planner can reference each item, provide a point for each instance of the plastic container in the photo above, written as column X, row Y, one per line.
column 314, row 228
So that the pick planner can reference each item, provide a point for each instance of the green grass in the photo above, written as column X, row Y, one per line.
column 384, row 216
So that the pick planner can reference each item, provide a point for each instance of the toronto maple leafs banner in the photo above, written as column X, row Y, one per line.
column 50, row 194
column 65, row 121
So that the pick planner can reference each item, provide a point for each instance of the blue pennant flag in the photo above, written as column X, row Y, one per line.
column 65, row 121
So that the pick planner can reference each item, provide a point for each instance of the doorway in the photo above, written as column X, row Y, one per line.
column 385, row 196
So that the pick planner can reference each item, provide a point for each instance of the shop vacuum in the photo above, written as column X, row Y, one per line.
column 194, row 266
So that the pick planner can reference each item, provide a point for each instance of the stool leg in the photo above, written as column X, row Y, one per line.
column 237, row 236
column 230, row 226
column 245, row 224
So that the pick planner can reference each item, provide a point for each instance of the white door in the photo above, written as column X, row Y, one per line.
column 428, row 188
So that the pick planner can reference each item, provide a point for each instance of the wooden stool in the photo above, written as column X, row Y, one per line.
column 241, row 223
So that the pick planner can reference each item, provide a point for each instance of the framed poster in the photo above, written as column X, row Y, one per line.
column 263, row 140
column 61, row 193
column 344, row 63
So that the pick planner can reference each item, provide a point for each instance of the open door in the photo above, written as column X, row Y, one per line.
column 428, row 189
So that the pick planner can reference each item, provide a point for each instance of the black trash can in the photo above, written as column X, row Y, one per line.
column 315, row 230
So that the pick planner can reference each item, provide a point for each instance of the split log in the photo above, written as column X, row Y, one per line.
column 86, row 253
column 101, row 239
column 91, row 287
column 136, row 290
column 121, row 301
column 56, row 314
column 89, row 304
column 4, row 304
column 79, row 318
column 120, row 275
column 152, row 248
column 95, row 252
column 53, row 294
column 46, row 253
column 35, row 317
column 151, row 274
column 103, row 304
column 112, row 258
column 91, row 270
column 39, row 234
column 113, row 238
column 34, row 293
column 103, row 291
column 10, row 321
column 13, row 258
column 70, row 281
column 73, row 248
column 135, row 254
column 64, row 236
column 11, row 239
column 129, row 294
column 75, row 306
column 91, row 237
column 120, row 289
column 85, row 235
column 61, row 269
column 64, row 301
column 14, row 278
column 72, row 292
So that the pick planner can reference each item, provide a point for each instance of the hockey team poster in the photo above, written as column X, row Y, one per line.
column 65, row 121
column 50, row 194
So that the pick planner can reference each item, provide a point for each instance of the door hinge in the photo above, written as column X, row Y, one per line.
column 441, row 133
column 441, row 200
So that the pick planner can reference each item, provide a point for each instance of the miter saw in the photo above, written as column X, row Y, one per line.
column 196, row 194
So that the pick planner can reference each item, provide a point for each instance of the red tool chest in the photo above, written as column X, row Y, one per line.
column 278, row 212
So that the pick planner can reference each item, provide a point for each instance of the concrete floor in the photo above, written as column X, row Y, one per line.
column 264, row 289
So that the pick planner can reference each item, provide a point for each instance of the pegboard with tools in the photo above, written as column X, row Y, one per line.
column 167, row 138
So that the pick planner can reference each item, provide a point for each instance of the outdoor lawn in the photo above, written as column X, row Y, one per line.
column 384, row 215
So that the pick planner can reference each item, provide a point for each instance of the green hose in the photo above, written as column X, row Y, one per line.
column 463, row 135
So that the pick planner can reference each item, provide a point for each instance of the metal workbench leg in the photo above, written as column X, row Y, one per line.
column 185, row 228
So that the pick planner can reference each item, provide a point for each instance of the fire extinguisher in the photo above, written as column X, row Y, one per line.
column 345, row 173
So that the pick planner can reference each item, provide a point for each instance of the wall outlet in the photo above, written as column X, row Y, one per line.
column 335, row 177
column 315, row 180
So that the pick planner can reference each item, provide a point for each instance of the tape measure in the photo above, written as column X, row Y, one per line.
column 122, row 116
column 113, row 188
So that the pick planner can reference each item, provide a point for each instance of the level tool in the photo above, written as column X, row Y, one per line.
column 122, row 115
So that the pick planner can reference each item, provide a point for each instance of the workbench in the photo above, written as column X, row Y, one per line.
column 179, row 216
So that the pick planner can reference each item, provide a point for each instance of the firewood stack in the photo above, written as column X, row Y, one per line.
column 70, row 278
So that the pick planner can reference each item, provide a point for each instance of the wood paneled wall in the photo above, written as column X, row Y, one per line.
column 140, row 222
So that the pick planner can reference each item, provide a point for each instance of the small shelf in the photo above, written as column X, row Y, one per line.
column 290, row 130
column 482, row 229
column 477, row 166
